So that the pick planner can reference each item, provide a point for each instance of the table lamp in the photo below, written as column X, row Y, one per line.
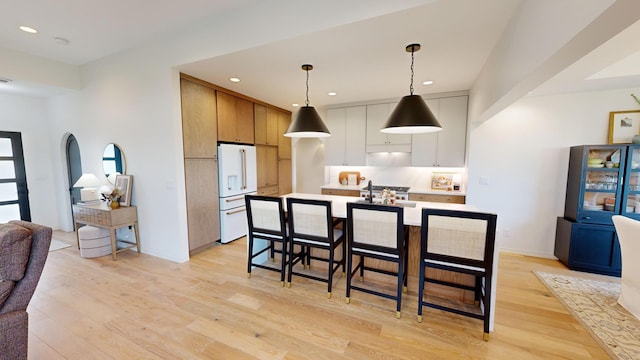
column 89, row 184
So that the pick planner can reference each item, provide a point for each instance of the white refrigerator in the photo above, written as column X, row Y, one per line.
column 236, row 178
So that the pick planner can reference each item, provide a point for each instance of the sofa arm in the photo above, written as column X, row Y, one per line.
column 24, row 289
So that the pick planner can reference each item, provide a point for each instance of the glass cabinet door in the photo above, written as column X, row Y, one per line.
column 631, row 205
column 602, row 168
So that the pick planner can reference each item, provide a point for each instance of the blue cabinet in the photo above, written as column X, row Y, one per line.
column 588, row 247
column 603, row 180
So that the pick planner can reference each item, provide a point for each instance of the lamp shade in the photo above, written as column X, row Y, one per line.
column 87, row 180
column 411, row 116
column 307, row 124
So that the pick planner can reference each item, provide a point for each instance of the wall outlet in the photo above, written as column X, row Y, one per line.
column 484, row 180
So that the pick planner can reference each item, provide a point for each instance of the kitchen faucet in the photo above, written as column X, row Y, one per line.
column 370, row 188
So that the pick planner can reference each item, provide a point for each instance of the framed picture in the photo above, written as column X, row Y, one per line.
column 623, row 125
column 125, row 183
column 442, row 181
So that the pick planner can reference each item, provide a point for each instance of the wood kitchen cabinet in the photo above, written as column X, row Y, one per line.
column 274, row 155
column 377, row 116
column 443, row 198
column 199, row 120
column 340, row 192
column 266, row 125
column 284, row 154
column 199, row 133
column 284, row 143
column 446, row 147
column 284, row 176
column 203, row 207
column 267, row 164
column 347, row 143
column 235, row 119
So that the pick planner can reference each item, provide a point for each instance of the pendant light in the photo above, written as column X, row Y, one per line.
column 411, row 115
column 307, row 122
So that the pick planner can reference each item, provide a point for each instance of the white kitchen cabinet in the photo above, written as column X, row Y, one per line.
column 377, row 116
column 446, row 147
column 346, row 145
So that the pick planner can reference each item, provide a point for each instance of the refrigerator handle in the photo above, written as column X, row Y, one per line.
column 243, row 155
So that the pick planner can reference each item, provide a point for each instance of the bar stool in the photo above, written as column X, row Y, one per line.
column 377, row 231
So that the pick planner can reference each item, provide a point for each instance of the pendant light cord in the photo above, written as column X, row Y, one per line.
column 307, row 101
column 411, row 86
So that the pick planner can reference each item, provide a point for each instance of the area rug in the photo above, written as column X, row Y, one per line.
column 57, row 245
column 594, row 304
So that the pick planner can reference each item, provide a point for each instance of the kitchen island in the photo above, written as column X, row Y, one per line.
column 412, row 218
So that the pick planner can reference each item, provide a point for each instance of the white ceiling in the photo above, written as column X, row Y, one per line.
column 360, row 61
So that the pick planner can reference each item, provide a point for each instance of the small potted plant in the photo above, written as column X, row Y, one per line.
column 112, row 198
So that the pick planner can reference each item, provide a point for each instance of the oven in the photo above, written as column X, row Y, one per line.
column 401, row 192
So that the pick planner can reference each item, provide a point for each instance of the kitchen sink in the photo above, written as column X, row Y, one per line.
column 402, row 203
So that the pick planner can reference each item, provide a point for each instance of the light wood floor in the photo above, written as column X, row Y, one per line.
column 142, row 307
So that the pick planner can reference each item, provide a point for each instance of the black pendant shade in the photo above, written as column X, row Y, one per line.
column 411, row 116
column 307, row 123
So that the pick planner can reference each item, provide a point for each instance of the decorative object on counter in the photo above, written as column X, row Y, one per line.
column 350, row 178
column 442, row 181
column 307, row 122
column 624, row 126
column 411, row 115
column 124, row 183
column 112, row 197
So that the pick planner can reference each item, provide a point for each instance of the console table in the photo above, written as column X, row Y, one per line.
column 103, row 216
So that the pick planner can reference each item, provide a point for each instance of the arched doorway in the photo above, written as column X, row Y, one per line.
column 74, row 168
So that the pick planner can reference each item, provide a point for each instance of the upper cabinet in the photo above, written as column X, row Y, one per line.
column 347, row 143
column 235, row 119
column 199, row 126
column 284, row 143
column 266, row 125
column 446, row 147
column 377, row 116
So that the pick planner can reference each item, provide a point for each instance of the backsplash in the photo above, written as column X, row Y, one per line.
column 414, row 177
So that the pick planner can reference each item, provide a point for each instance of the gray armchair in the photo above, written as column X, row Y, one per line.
column 24, row 247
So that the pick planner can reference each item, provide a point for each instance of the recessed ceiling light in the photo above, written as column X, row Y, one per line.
column 295, row 105
column 28, row 29
column 333, row 93
column 234, row 79
column 428, row 82
column 61, row 41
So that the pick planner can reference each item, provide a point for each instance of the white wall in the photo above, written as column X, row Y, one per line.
column 26, row 115
column 524, row 151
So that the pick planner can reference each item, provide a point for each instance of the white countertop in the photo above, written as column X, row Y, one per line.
column 414, row 190
column 412, row 215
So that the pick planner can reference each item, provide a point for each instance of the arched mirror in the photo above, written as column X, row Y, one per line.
column 113, row 161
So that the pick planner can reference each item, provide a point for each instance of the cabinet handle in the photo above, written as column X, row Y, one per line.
column 235, row 199
column 236, row 211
